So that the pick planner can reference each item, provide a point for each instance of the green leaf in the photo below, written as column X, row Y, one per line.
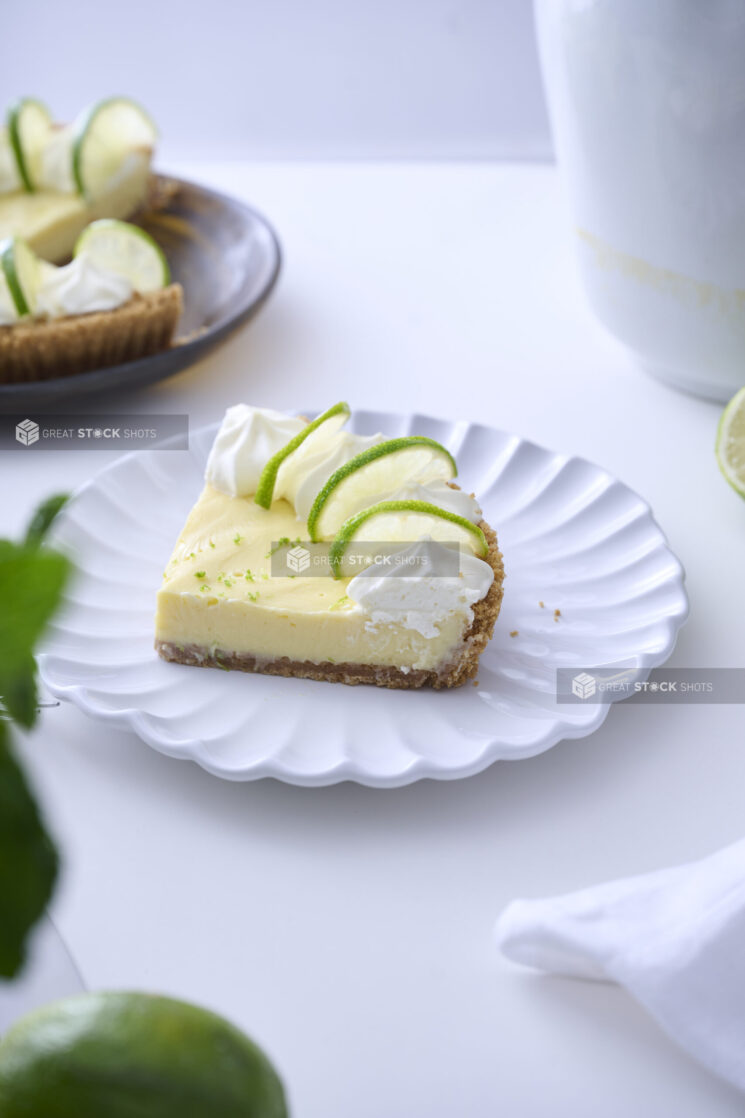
column 28, row 861
column 42, row 519
column 31, row 585
column 32, row 580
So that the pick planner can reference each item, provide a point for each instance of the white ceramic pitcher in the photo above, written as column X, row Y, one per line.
column 647, row 100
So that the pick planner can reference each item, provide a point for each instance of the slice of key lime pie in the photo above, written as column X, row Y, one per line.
column 319, row 553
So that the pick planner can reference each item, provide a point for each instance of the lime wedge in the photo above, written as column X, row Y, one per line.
column 29, row 125
column 730, row 445
column 127, row 251
column 331, row 420
column 399, row 521
column 22, row 271
column 103, row 137
column 379, row 469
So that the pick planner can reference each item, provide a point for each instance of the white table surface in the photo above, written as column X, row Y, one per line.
column 349, row 930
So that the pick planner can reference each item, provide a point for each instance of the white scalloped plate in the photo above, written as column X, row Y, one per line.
column 572, row 536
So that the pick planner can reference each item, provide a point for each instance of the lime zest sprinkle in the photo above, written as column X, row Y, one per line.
column 283, row 541
column 200, row 574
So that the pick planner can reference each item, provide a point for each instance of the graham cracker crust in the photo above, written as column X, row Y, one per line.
column 60, row 347
column 462, row 668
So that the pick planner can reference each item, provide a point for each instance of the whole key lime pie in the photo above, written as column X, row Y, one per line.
column 323, row 554
column 65, row 190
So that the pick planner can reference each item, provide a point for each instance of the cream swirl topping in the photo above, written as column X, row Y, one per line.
column 392, row 594
column 436, row 493
column 247, row 439
column 80, row 287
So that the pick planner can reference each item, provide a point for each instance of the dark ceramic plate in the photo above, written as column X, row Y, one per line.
column 227, row 258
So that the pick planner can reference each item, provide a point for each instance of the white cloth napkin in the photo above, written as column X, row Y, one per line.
column 675, row 939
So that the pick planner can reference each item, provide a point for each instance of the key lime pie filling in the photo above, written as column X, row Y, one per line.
column 240, row 592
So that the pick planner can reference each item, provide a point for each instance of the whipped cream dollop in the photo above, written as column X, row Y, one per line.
column 436, row 493
column 391, row 594
column 247, row 439
column 80, row 287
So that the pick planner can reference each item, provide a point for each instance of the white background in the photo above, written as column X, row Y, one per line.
column 404, row 79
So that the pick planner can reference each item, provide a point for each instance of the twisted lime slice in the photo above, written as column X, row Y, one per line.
column 22, row 271
column 29, row 124
column 331, row 420
column 399, row 521
column 103, row 137
column 126, row 250
column 379, row 469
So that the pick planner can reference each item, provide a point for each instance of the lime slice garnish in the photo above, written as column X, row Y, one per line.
column 730, row 445
column 8, row 310
column 126, row 250
column 10, row 180
column 379, row 469
column 103, row 137
column 29, row 124
column 331, row 420
column 399, row 521
column 22, row 272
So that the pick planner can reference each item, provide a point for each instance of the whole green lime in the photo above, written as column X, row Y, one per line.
column 129, row 1055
